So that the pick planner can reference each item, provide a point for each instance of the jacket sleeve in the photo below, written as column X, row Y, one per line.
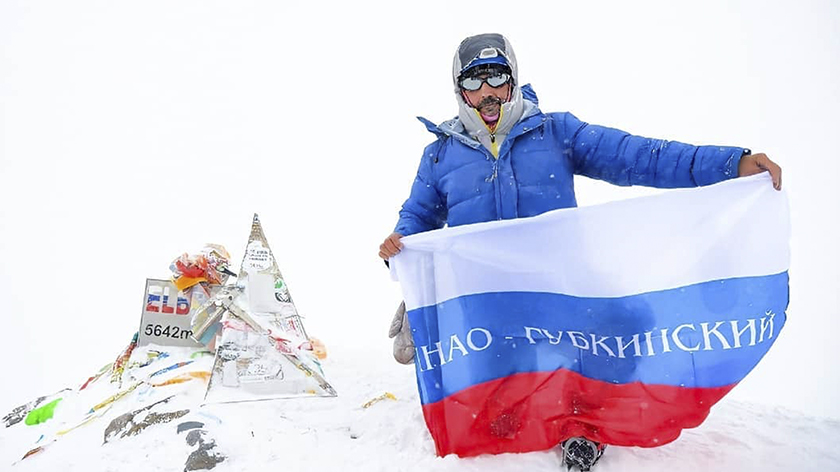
column 425, row 209
column 622, row 159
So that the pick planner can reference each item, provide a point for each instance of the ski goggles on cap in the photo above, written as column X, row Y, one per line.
column 495, row 80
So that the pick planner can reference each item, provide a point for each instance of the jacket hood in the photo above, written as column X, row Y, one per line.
column 475, row 50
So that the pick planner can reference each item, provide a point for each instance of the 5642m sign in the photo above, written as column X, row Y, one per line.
column 166, row 315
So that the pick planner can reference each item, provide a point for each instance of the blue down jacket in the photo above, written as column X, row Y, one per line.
column 460, row 182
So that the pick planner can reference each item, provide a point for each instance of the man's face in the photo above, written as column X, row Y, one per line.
column 487, row 100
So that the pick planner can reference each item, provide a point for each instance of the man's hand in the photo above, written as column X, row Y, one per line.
column 756, row 163
column 391, row 246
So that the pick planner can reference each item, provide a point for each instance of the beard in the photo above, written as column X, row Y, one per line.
column 489, row 108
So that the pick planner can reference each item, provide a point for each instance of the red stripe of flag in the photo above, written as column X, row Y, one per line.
column 536, row 411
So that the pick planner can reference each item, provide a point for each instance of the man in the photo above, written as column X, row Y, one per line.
column 503, row 158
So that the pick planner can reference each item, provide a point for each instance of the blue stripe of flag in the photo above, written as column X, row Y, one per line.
column 701, row 346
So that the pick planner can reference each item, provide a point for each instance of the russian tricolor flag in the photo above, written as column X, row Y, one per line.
column 623, row 322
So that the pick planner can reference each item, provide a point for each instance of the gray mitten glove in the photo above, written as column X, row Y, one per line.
column 401, row 332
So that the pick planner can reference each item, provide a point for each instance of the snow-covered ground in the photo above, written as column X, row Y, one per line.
column 339, row 434
column 131, row 132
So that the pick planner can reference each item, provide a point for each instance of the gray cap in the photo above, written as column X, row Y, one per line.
column 488, row 48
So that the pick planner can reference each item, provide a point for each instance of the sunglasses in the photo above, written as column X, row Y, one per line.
column 474, row 83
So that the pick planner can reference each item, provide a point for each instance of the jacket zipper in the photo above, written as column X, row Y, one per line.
column 497, row 187
column 494, row 148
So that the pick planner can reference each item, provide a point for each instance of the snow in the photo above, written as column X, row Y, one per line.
column 390, row 435
column 132, row 132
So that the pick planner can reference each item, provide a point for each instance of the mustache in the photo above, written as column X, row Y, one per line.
column 489, row 100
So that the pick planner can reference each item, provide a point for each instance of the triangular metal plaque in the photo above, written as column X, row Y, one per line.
column 264, row 351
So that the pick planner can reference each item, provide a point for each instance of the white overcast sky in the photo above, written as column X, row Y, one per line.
column 133, row 131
